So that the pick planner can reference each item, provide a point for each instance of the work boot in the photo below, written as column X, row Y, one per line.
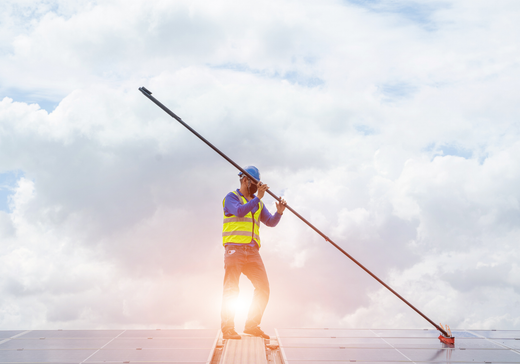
column 256, row 331
column 231, row 334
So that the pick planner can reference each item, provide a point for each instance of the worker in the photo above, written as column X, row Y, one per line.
column 243, row 211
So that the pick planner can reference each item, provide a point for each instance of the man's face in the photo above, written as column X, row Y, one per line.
column 253, row 186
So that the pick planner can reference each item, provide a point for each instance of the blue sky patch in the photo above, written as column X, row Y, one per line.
column 364, row 129
column 397, row 90
column 457, row 151
column 417, row 12
column 7, row 184
column 449, row 149
column 303, row 80
column 45, row 101
column 29, row 13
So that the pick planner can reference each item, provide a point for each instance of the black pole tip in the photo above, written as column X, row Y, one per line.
column 144, row 90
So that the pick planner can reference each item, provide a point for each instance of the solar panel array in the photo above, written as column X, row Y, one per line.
column 297, row 346
column 327, row 346
column 103, row 346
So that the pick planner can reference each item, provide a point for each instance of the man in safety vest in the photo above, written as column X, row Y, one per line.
column 243, row 212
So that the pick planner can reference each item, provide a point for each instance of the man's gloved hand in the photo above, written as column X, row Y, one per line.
column 262, row 187
column 280, row 206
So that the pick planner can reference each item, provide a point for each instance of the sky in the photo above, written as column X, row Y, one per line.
column 393, row 126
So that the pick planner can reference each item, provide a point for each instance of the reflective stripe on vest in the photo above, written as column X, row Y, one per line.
column 241, row 230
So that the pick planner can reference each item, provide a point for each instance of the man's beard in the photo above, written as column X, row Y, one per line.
column 253, row 188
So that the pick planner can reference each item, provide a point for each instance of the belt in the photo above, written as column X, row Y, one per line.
column 245, row 246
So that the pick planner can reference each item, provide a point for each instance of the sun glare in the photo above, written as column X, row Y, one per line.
column 242, row 306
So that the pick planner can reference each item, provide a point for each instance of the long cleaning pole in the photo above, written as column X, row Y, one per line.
column 169, row 112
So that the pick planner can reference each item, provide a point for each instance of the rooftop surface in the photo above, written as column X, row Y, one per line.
column 289, row 346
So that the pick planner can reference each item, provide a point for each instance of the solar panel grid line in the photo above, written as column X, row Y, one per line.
column 333, row 333
column 496, row 342
column 169, row 333
column 14, row 337
column 70, row 334
column 94, row 353
column 151, row 355
column 463, row 344
column 161, row 343
column 337, row 347
column 280, row 345
column 399, row 351
column 331, row 342
column 391, row 347
column 54, row 344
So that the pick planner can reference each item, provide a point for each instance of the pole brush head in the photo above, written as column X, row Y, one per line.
column 450, row 340
column 447, row 340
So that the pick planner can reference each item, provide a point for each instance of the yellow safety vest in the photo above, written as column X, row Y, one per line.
column 241, row 230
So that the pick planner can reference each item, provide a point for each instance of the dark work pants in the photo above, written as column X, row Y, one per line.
column 247, row 260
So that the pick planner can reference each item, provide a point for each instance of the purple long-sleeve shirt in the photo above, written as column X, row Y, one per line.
column 233, row 206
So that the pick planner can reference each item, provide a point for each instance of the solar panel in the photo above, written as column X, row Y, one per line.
column 320, row 346
column 99, row 346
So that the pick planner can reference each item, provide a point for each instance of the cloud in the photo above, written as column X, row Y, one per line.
column 398, row 139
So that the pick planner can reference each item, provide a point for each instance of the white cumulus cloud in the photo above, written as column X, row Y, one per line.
column 391, row 126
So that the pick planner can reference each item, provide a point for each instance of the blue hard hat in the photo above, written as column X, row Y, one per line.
column 253, row 171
